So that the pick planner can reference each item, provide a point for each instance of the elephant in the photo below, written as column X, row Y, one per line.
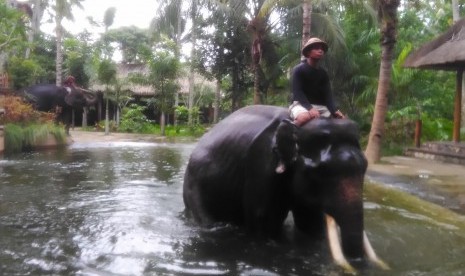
column 256, row 166
column 60, row 99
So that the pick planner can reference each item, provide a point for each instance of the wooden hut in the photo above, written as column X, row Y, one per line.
column 446, row 52
column 137, row 91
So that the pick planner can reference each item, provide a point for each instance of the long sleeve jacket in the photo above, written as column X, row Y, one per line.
column 311, row 85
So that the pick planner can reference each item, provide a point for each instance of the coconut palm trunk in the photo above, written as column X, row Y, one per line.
column 192, row 65
column 387, row 12
column 455, row 10
column 216, row 106
column 59, row 53
column 306, row 20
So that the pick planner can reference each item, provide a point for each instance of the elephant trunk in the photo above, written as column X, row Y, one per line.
column 337, row 252
column 90, row 96
column 345, row 231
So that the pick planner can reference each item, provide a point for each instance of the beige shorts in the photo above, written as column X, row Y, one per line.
column 296, row 108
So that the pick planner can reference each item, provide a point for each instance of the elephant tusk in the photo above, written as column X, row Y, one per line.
column 335, row 245
column 86, row 90
column 370, row 252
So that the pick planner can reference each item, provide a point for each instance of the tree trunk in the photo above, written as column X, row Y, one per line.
column 118, row 115
column 256, row 26
column 216, row 107
column 37, row 13
column 59, row 55
column 191, row 71
column 178, row 55
column 84, row 116
column 455, row 10
column 107, row 117
column 162, row 123
column 99, row 109
column 256, row 83
column 388, row 15
column 373, row 150
column 307, row 20
column 191, row 94
column 176, row 104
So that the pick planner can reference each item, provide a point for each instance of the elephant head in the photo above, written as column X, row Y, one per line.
column 328, row 169
column 79, row 98
column 256, row 166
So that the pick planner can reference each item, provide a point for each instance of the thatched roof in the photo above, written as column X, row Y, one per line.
column 124, row 70
column 446, row 52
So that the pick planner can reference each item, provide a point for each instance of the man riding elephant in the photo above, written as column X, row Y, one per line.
column 255, row 167
column 60, row 99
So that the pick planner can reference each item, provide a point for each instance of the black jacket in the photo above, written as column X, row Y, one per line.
column 311, row 86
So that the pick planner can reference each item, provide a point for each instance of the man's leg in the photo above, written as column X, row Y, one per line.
column 299, row 114
column 324, row 112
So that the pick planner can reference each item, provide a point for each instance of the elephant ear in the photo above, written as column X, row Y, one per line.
column 286, row 146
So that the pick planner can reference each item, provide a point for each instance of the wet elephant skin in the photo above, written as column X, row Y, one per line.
column 255, row 167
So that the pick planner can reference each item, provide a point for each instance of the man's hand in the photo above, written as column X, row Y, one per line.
column 338, row 114
column 313, row 113
column 304, row 117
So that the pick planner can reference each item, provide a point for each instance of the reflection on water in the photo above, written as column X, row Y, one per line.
column 116, row 208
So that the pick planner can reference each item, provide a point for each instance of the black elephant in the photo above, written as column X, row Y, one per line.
column 60, row 99
column 256, row 166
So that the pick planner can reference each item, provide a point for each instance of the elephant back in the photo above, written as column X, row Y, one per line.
column 240, row 128
column 45, row 96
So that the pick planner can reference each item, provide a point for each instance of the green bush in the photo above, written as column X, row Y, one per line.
column 24, row 137
column 182, row 113
column 134, row 120
column 438, row 129
column 184, row 131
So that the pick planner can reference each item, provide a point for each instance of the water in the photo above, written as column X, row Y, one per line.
column 116, row 209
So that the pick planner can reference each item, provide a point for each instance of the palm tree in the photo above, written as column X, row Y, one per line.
column 171, row 22
column 38, row 9
column 107, row 69
column 62, row 10
column 259, row 28
column 107, row 75
column 164, row 71
column 387, row 13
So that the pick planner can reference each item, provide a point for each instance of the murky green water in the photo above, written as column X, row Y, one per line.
column 116, row 209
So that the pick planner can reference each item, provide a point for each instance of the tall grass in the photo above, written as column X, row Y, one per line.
column 20, row 138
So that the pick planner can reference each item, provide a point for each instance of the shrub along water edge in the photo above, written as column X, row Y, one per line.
column 20, row 138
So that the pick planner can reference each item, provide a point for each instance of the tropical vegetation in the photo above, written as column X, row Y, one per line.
column 26, row 128
column 247, row 49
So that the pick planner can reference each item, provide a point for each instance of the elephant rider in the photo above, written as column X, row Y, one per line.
column 70, row 83
column 311, row 90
